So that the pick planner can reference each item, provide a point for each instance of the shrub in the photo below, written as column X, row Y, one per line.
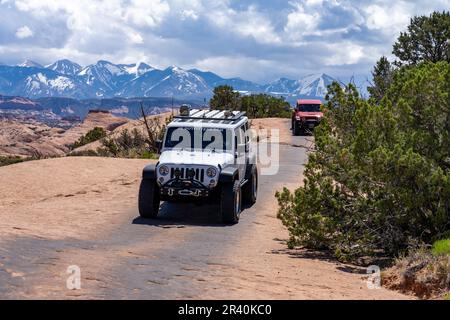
column 441, row 247
column 91, row 136
column 255, row 105
column 265, row 106
column 6, row 161
column 84, row 153
column 127, row 145
column 420, row 272
column 380, row 177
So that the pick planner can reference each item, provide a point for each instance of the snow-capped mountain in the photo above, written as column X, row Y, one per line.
column 136, row 69
column 29, row 64
column 173, row 81
column 177, row 81
column 282, row 86
column 101, row 77
column 40, row 82
column 105, row 79
column 108, row 79
column 213, row 80
column 313, row 85
column 65, row 67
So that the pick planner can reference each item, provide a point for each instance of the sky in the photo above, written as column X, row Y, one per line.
column 258, row 40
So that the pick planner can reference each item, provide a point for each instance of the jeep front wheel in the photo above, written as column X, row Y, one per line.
column 149, row 199
column 230, row 202
column 296, row 130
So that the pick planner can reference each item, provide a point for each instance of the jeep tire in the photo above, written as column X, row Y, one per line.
column 296, row 129
column 149, row 199
column 250, row 189
column 230, row 202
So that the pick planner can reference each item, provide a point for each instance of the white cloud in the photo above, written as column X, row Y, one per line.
column 248, row 23
column 252, row 39
column 389, row 19
column 301, row 23
column 24, row 32
column 189, row 14
column 345, row 53
column 146, row 13
column 230, row 66
column 136, row 38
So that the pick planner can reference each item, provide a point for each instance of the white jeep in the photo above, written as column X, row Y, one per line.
column 206, row 156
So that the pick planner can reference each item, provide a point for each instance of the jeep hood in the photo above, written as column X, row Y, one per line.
column 186, row 157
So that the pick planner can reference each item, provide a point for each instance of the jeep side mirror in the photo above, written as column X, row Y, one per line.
column 159, row 145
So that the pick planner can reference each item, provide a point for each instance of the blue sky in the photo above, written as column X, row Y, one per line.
column 256, row 40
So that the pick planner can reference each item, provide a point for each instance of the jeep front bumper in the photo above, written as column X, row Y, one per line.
column 184, row 188
column 308, row 124
column 176, row 192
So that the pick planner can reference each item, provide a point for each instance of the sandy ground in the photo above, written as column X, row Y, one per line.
column 264, row 127
column 82, row 211
column 66, row 197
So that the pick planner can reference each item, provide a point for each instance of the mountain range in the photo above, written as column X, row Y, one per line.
column 104, row 79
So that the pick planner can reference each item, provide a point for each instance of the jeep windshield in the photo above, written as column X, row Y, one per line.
column 309, row 107
column 191, row 138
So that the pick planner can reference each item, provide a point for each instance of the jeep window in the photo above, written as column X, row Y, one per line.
column 191, row 138
column 309, row 107
column 240, row 139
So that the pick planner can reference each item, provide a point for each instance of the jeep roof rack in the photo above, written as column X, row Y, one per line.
column 216, row 115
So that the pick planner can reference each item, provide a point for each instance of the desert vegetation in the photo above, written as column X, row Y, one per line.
column 93, row 135
column 8, row 160
column 378, row 182
column 140, row 141
column 255, row 105
column 423, row 270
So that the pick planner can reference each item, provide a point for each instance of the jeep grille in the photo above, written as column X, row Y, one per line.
column 199, row 173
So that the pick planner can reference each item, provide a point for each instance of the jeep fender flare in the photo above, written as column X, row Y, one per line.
column 229, row 174
column 149, row 172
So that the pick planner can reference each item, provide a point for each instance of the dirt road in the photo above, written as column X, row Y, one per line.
column 82, row 211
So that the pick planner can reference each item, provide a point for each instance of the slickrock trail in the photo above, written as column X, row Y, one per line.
column 82, row 211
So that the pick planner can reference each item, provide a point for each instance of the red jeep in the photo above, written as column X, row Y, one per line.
column 306, row 116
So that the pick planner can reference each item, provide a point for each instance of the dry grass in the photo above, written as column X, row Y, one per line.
column 421, row 272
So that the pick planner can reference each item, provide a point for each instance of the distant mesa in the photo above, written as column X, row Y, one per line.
column 93, row 111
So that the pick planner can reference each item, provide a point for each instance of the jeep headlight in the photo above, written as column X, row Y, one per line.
column 164, row 170
column 211, row 172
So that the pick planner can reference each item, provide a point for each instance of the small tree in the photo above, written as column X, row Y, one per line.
column 382, row 79
column 426, row 39
column 265, row 106
column 380, row 177
column 225, row 98
column 128, row 144
column 93, row 135
column 155, row 128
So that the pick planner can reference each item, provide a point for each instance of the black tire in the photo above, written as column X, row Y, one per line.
column 149, row 199
column 297, row 129
column 230, row 202
column 250, row 189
